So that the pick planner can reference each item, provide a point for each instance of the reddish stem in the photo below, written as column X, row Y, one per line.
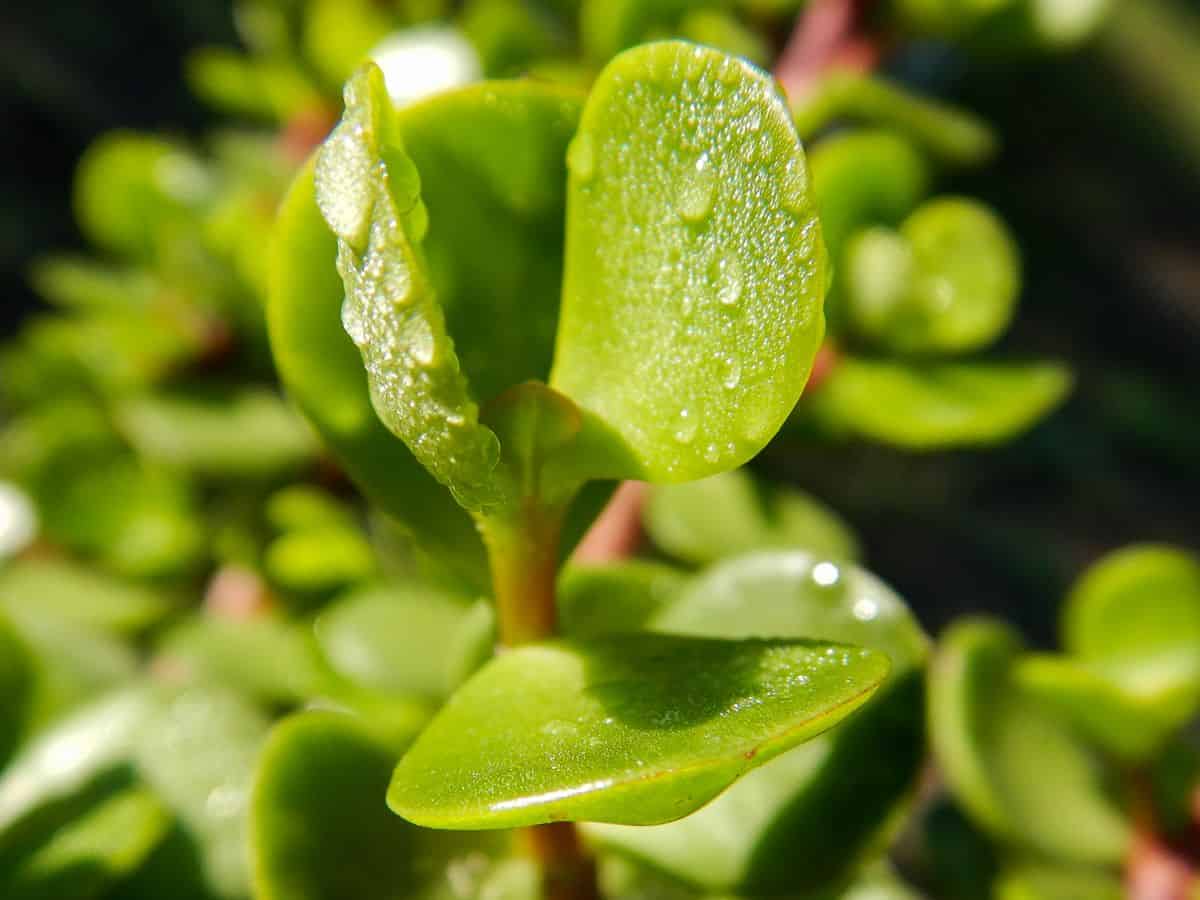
column 828, row 35
column 617, row 533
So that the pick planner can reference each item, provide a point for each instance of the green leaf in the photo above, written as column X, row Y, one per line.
column 802, row 822
column 1044, row 881
column 155, row 531
column 89, row 854
column 198, row 753
column 946, row 282
column 63, row 761
column 1132, row 625
column 73, row 663
column 492, row 162
column 321, row 560
column 368, row 190
column 695, row 269
column 17, row 676
column 248, row 433
column 131, row 188
column 77, row 282
column 865, row 177
column 323, row 372
column 1129, row 707
column 954, row 137
column 72, row 593
column 610, row 598
column 1017, row 770
column 607, row 27
column 320, row 832
column 1141, row 600
column 406, row 639
column 250, row 86
column 270, row 659
column 635, row 729
column 730, row 514
column 932, row 405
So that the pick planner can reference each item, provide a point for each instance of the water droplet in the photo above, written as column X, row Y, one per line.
column 581, row 157
column 697, row 191
column 712, row 453
column 421, row 343
column 865, row 609
column 826, row 574
column 793, row 192
column 353, row 324
column 728, row 280
column 733, row 373
column 685, row 432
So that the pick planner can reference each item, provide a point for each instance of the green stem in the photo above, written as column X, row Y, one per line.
column 523, row 552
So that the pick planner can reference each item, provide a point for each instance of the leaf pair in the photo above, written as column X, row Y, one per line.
column 687, row 226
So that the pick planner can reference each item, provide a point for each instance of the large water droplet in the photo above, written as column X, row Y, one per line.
column 581, row 157
column 697, row 191
column 420, row 342
column 685, row 430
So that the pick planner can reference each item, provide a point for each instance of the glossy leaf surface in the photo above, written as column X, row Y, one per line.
column 730, row 514
column 695, row 270
column 928, row 405
column 773, row 831
column 1019, row 771
column 636, row 729
column 320, row 830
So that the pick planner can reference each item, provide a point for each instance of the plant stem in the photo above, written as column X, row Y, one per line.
column 524, row 561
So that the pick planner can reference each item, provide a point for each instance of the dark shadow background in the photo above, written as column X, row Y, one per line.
column 1104, row 200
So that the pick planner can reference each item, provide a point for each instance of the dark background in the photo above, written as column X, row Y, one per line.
column 1095, row 180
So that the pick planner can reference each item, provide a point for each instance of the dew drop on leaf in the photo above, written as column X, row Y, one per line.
column 697, row 191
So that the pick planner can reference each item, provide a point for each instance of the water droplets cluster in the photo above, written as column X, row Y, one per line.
column 700, row 144
column 417, row 385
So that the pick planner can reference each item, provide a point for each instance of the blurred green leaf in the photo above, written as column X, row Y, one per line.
column 730, row 514
column 81, row 283
column 1043, row 881
column 198, row 753
column 320, row 832
column 90, row 853
column 921, row 405
column 1017, row 770
column 865, row 177
column 946, row 282
column 406, row 639
column 247, row 433
column 79, row 595
column 636, row 729
column 316, row 561
column 130, row 189
column 952, row 136
column 16, row 687
column 270, row 659
column 262, row 87
column 609, row 598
